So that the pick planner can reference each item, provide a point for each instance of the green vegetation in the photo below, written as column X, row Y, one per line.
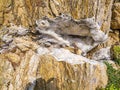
column 116, row 54
column 113, row 78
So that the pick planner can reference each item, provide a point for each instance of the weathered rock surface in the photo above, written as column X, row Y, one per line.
column 102, row 54
column 27, row 66
column 113, row 38
column 84, row 34
column 115, row 23
column 25, row 12
column 66, row 25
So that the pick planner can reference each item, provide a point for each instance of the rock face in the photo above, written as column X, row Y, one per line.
column 102, row 54
column 115, row 23
column 66, row 25
column 29, row 67
column 84, row 34
column 25, row 12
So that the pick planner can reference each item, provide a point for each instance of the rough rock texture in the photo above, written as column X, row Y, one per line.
column 25, row 12
column 84, row 34
column 115, row 23
column 66, row 25
column 27, row 66
column 102, row 54
column 114, row 37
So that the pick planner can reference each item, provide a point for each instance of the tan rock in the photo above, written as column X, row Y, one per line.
column 113, row 38
column 74, row 50
column 51, row 69
column 55, row 69
column 13, row 57
column 25, row 12
column 115, row 23
column 24, row 44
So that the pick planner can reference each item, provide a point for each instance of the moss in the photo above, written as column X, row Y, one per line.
column 112, row 87
column 113, row 78
column 116, row 54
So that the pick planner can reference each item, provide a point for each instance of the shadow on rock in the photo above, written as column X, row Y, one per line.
column 41, row 84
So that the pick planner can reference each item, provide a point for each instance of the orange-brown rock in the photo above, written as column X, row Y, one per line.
column 49, row 69
column 25, row 12
column 27, row 67
column 115, row 23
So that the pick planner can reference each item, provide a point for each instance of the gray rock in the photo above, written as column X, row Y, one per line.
column 102, row 54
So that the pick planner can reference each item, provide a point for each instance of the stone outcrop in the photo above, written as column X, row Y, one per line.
column 84, row 34
column 115, row 23
column 25, row 12
column 102, row 54
column 113, row 39
column 26, row 66
column 66, row 25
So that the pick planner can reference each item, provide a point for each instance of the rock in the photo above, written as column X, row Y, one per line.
column 7, row 38
column 24, row 44
column 30, row 66
column 112, row 39
column 13, row 57
column 38, row 68
column 66, row 25
column 22, row 31
column 115, row 22
column 74, row 50
column 86, row 33
column 9, row 33
column 24, row 13
column 98, row 35
column 16, row 34
column 102, row 54
column 19, row 30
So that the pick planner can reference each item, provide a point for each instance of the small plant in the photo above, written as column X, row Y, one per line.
column 116, row 53
column 113, row 78
column 112, row 87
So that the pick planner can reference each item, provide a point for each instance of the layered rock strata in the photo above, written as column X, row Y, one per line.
column 26, row 66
